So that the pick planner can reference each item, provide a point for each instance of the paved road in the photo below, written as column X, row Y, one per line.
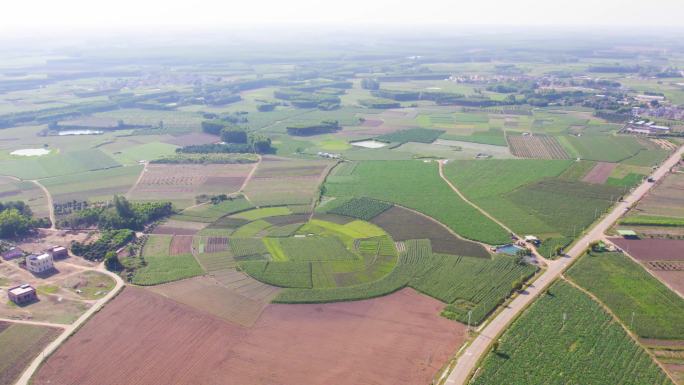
column 467, row 362
column 70, row 329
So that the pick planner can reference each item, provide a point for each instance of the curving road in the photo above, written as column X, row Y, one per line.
column 468, row 361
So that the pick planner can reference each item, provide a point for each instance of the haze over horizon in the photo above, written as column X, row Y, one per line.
column 125, row 14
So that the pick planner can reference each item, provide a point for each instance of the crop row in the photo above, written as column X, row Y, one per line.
column 566, row 338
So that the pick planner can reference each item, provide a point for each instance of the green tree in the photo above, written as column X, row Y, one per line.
column 13, row 223
column 111, row 261
column 233, row 134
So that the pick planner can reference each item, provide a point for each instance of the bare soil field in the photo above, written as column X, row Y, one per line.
column 185, row 181
column 286, row 181
column 181, row 244
column 46, row 238
column 647, row 250
column 394, row 340
column 599, row 173
column 20, row 345
column 195, row 138
column 536, row 147
column 178, row 228
column 673, row 278
column 216, row 244
column 403, row 224
column 245, row 285
column 208, row 295
column 371, row 123
column 667, row 199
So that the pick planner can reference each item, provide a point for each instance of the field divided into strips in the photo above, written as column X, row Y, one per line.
column 56, row 164
column 588, row 347
column 489, row 183
column 20, row 345
column 536, row 147
column 417, row 185
column 251, row 229
column 247, row 247
column 466, row 283
column 626, row 288
column 92, row 185
column 157, row 245
column 186, row 181
column 210, row 213
column 180, row 244
column 280, row 181
column 28, row 192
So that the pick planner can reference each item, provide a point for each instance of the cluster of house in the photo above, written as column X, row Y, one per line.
column 645, row 127
column 35, row 263
column 38, row 263
column 329, row 155
column 22, row 294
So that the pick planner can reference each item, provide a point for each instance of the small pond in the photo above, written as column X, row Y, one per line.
column 369, row 144
column 30, row 152
column 79, row 132
column 509, row 249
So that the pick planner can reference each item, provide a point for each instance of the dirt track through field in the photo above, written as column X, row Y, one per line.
column 395, row 340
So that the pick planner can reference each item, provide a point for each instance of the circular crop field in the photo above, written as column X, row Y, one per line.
column 292, row 251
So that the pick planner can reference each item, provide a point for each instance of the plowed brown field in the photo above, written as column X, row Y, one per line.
column 599, row 173
column 144, row 338
column 181, row 244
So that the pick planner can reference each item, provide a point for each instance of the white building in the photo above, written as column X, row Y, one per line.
column 39, row 263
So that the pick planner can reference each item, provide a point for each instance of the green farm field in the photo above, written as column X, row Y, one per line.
column 162, row 269
column 416, row 185
column 465, row 283
column 582, row 344
column 20, row 345
column 626, row 288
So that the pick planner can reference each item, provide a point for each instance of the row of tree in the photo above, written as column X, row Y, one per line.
column 16, row 220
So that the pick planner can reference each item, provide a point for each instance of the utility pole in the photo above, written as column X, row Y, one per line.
column 565, row 316
column 631, row 323
column 470, row 312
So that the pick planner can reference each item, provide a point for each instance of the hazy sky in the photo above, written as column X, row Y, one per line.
column 30, row 14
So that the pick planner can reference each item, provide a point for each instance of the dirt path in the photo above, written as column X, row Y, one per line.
column 137, row 181
column 71, row 329
column 485, row 213
column 478, row 208
column 48, row 196
column 50, row 203
column 35, row 323
column 250, row 175
column 605, row 307
column 468, row 361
